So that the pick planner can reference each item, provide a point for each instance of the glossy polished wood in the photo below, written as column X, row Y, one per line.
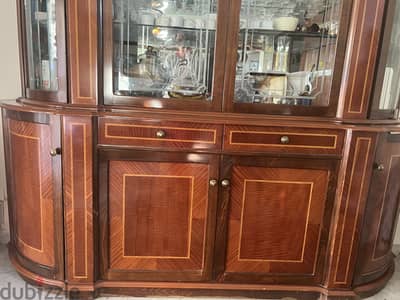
column 78, row 198
column 362, row 50
column 35, row 193
column 350, row 207
column 275, row 222
column 283, row 140
column 382, row 212
column 159, row 207
column 82, row 49
column 153, row 133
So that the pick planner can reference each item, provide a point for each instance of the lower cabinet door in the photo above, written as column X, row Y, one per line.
column 278, row 213
column 34, row 191
column 382, row 211
column 157, row 215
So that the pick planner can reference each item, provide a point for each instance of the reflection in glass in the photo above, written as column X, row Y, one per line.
column 286, row 51
column 41, row 44
column 391, row 82
column 164, row 48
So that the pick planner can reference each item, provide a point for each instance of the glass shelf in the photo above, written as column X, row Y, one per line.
column 286, row 51
column 164, row 49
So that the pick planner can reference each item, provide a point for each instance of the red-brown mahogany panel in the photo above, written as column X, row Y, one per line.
column 362, row 50
column 128, row 132
column 382, row 211
column 263, row 202
column 78, row 197
column 350, row 210
column 82, row 49
column 157, row 215
column 31, row 166
column 269, row 139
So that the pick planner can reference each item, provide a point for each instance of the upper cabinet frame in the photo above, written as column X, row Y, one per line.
column 58, row 92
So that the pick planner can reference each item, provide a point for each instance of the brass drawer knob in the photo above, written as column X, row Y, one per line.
column 285, row 139
column 225, row 183
column 161, row 134
column 380, row 167
column 213, row 182
column 55, row 152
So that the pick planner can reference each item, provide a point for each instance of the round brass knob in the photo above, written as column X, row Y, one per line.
column 161, row 134
column 55, row 152
column 380, row 167
column 285, row 139
column 225, row 183
column 213, row 182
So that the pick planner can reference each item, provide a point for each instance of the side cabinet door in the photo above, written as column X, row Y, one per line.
column 34, row 191
column 156, row 215
column 277, row 219
column 382, row 211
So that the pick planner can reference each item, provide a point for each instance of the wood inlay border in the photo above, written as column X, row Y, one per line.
column 83, row 125
column 37, row 140
column 311, row 184
column 354, row 165
column 77, row 45
column 80, row 158
column 213, row 131
column 334, row 146
column 374, row 258
column 190, row 215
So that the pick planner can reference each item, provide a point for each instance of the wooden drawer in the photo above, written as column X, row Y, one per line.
column 128, row 132
column 283, row 140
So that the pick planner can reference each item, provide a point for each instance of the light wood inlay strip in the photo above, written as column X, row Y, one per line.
column 37, row 140
column 190, row 216
column 356, row 156
column 311, row 184
column 213, row 131
column 334, row 136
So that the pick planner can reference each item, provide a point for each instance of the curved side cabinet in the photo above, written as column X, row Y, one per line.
column 376, row 256
column 34, row 189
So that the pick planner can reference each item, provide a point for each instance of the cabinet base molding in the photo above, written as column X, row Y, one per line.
column 141, row 289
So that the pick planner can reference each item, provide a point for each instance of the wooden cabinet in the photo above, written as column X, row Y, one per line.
column 381, row 212
column 276, row 219
column 34, row 192
column 157, row 215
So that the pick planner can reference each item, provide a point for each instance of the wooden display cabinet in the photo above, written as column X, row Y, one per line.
column 166, row 162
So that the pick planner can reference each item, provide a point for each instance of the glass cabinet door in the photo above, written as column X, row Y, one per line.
column 386, row 96
column 44, row 78
column 161, row 49
column 286, row 56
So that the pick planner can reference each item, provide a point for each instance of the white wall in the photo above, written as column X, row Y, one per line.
column 10, row 87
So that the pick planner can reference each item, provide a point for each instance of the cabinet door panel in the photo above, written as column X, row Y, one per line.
column 276, row 219
column 381, row 212
column 34, row 187
column 158, row 216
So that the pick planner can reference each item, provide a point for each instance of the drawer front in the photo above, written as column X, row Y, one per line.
column 183, row 135
column 284, row 140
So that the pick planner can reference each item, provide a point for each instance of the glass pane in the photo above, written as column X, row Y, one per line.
column 41, row 44
column 286, row 51
column 164, row 48
column 391, row 82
